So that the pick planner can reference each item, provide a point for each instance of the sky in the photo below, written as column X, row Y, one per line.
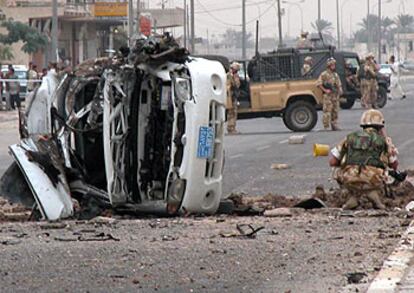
column 215, row 16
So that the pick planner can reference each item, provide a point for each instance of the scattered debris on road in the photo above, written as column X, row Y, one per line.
column 297, row 139
column 277, row 166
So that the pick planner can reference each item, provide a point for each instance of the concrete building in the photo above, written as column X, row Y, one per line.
column 85, row 27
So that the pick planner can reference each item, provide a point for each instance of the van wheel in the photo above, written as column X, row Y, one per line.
column 382, row 97
column 300, row 116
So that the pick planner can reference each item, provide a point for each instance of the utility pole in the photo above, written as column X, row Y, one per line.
column 338, row 29
column 192, row 27
column 54, row 57
column 279, row 14
column 368, row 30
column 138, row 16
column 319, row 10
column 130, row 21
column 379, row 32
column 244, row 29
column 185, row 24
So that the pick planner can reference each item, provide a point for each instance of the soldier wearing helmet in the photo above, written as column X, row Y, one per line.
column 363, row 159
column 350, row 77
column 330, row 84
column 369, row 100
column 307, row 65
column 303, row 41
column 233, row 95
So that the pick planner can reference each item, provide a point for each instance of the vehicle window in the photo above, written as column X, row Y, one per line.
column 20, row 74
column 353, row 62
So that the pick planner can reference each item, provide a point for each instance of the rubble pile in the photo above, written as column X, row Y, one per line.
column 10, row 212
column 396, row 197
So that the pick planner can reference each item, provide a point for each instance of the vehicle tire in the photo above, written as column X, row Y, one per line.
column 382, row 97
column 300, row 116
column 348, row 104
column 226, row 207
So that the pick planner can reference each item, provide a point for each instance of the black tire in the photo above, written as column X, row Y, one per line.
column 300, row 116
column 226, row 207
column 347, row 103
column 382, row 97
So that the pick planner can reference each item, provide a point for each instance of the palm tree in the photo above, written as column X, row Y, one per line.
column 405, row 23
column 388, row 29
column 323, row 26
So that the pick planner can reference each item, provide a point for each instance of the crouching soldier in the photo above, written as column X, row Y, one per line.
column 363, row 158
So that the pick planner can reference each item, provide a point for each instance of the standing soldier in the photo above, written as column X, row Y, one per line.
column 362, row 83
column 363, row 158
column 233, row 94
column 307, row 65
column 330, row 84
column 371, row 71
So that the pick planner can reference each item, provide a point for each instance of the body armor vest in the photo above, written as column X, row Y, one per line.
column 365, row 149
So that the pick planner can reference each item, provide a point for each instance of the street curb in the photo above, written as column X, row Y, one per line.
column 396, row 265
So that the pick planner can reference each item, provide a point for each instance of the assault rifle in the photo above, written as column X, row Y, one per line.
column 399, row 176
column 331, row 87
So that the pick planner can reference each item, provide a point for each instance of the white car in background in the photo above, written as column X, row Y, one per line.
column 21, row 72
column 385, row 69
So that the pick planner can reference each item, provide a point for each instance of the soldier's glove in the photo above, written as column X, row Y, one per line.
column 399, row 176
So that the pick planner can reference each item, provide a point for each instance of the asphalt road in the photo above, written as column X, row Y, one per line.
column 265, row 141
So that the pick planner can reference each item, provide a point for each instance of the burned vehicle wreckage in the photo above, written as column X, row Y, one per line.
column 141, row 131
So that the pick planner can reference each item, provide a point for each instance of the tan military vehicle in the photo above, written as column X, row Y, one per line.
column 272, row 85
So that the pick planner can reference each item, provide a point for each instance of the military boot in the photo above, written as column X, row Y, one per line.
column 374, row 197
column 351, row 204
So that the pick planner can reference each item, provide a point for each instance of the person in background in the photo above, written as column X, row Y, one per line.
column 1, row 88
column 233, row 92
column 371, row 72
column 307, row 65
column 44, row 73
column 32, row 75
column 331, row 87
column 395, row 88
column 303, row 41
column 13, row 88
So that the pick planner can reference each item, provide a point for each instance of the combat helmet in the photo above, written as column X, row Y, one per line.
column 330, row 61
column 372, row 118
column 308, row 59
column 235, row 66
column 370, row 56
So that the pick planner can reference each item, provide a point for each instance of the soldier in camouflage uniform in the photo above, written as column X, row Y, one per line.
column 363, row 158
column 233, row 94
column 307, row 65
column 362, row 83
column 303, row 41
column 330, row 84
column 369, row 100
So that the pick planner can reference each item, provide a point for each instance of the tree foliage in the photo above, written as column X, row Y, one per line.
column 18, row 31
column 233, row 38
column 405, row 22
column 5, row 53
column 323, row 26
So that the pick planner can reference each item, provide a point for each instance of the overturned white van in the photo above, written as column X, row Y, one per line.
column 141, row 131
